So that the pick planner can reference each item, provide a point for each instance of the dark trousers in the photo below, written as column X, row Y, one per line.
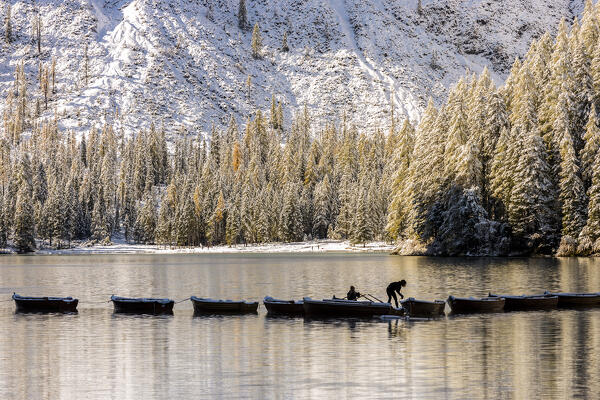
column 392, row 295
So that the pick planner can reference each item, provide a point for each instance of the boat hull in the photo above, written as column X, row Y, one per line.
column 345, row 308
column 209, row 306
column 461, row 305
column 578, row 299
column 283, row 307
column 45, row 304
column 423, row 309
column 125, row 305
column 524, row 303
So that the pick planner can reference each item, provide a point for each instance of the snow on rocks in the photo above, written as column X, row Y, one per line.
column 185, row 63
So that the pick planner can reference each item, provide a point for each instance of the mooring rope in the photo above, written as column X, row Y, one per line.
column 95, row 302
column 181, row 301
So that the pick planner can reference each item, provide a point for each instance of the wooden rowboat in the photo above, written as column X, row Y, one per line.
column 528, row 302
column 283, row 307
column 577, row 299
column 45, row 304
column 131, row 305
column 345, row 308
column 210, row 306
column 422, row 308
column 465, row 305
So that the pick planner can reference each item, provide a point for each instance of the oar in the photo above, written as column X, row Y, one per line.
column 375, row 298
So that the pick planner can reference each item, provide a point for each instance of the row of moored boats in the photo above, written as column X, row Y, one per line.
column 326, row 307
column 133, row 305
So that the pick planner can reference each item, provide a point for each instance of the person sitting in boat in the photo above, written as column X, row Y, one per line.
column 393, row 288
column 352, row 294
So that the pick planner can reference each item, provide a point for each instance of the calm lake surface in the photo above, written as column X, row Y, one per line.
column 96, row 354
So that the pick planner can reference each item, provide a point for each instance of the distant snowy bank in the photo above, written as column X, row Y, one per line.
column 313, row 246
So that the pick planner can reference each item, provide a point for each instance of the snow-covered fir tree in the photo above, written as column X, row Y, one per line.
column 24, row 222
column 242, row 15
column 256, row 42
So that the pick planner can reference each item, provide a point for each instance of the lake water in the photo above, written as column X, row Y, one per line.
column 96, row 354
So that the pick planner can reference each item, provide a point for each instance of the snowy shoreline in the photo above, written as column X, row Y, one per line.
column 314, row 246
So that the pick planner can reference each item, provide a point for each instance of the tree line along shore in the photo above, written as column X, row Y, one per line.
column 494, row 171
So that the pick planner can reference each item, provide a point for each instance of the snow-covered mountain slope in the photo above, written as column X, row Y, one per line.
column 186, row 62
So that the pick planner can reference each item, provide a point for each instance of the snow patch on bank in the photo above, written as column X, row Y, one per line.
column 313, row 246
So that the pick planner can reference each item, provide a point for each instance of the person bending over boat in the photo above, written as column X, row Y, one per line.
column 393, row 288
column 352, row 294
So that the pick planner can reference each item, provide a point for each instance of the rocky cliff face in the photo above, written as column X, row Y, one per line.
column 186, row 63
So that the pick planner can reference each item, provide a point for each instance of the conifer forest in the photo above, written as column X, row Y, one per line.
column 496, row 170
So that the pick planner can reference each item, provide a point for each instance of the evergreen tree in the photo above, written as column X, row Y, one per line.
column 495, row 123
column 145, row 223
column 164, row 225
column 468, row 168
column 583, row 96
column 262, row 203
column 54, row 210
column 86, row 65
column 218, row 221
column 530, row 209
column 3, row 225
column 184, row 222
column 83, row 151
column 458, row 134
column 426, row 169
column 53, row 75
column 24, row 222
column 361, row 232
column 589, row 239
column 591, row 139
column 10, row 189
column 199, row 216
column 291, row 217
column 210, row 12
column 572, row 192
column 590, row 30
column 306, row 210
column 595, row 73
column 234, row 223
column 505, row 165
column 248, row 86
column 256, row 42
column 8, row 25
column 284, row 43
column 242, row 15
column 378, row 206
column 502, row 177
column 509, row 84
column 273, row 120
column 99, row 226
column 38, row 32
column 397, row 223
column 559, row 104
column 343, row 223
column 40, row 184
column 323, row 208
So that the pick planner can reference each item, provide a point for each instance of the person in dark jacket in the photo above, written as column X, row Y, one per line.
column 352, row 294
column 393, row 288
